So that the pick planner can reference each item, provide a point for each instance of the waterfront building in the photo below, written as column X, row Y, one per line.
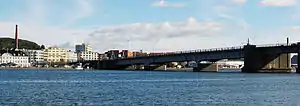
column 126, row 54
column 71, row 56
column 83, row 48
column 13, row 58
column 156, row 53
column 113, row 54
column 55, row 54
column 84, row 52
column 139, row 54
column 103, row 57
column 35, row 56
column 88, row 56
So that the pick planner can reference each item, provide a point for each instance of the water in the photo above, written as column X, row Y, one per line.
column 94, row 88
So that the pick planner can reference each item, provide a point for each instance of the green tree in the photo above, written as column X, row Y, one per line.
column 9, row 43
column 42, row 47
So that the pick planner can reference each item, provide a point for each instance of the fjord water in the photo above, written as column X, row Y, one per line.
column 94, row 88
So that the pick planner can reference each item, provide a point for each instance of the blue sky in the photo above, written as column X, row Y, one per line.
column 151, row 25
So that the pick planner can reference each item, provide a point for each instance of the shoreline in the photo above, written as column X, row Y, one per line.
column 37, row 69
column 178, row 70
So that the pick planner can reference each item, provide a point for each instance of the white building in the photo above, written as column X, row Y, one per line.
column 20, row 59
column 88, row 56
column 71, row 56
column 35, row 56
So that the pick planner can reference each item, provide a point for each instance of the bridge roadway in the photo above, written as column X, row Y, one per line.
column 250, row 53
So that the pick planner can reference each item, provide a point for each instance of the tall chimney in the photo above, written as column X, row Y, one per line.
column 16, row 38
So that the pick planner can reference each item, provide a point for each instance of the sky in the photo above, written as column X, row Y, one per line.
column 151, row 25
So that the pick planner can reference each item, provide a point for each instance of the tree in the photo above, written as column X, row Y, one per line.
column 42, row 47
column 9, row 43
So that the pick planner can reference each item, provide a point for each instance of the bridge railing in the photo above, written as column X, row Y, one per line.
column 210, row 50
column 215, row 49
column 194, row 51
column 274, row 45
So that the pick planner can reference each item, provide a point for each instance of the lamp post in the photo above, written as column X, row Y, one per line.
column 128, row 44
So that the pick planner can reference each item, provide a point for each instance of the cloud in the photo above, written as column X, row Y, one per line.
column 163, row 3
column 278, row 3
column 276, row 35
column 39, row 13
column 147, row 33
column 226, row 16
column 239, row 1
column 83, row 9
column 35, row 10
column 220, row 7
column 284, row 3
column 294, row 27
column 67, row 45
column 244, row 24
column 43, row 34
column 44, row 12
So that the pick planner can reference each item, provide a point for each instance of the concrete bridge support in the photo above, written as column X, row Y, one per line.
column 146, row 67
column 107, row 65
column 298, row 59
column 260, row 60
column 134, row 67
column 156, row 67
column 206, row 67
column 139, row 67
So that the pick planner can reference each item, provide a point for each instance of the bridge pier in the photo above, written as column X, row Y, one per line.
column 206, row 67
column 134, row 67
column 139, row 67
column 260, row 60
column 156, row 67
column 298, row 58
column 147, row 67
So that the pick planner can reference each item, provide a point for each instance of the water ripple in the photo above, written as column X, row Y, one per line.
column 108, row 81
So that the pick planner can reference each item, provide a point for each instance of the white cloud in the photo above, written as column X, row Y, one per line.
column 85, row 8
column 294, row 28
column 143, row 35
column 226, row 16
column 278, row 3
column 221, row 7
column 276, row 35
column 163, row 3
column 33, row 27
column 239, row 1
column 82, row 9
column 43, row 11
column 43, row 35
column 167, row 36
column 35, row 10
column 244, row 24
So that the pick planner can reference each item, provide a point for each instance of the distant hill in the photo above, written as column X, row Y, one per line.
column 8, row 43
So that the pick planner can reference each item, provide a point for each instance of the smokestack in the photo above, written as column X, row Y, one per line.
column 16, row 38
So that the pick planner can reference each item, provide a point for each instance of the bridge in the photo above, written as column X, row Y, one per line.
column 257, row 58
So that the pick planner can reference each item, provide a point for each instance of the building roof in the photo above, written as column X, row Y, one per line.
column 13, row 52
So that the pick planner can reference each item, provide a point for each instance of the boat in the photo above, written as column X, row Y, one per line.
column 79, row 67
